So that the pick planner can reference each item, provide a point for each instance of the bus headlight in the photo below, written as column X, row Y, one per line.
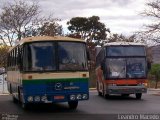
column 43, row 98
column 85, row 96
column 30, row 99
column 72, row 97
column 143, row 84
column 79, row 96
column 37, row 99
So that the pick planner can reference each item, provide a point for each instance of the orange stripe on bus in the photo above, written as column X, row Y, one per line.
column 125, row 81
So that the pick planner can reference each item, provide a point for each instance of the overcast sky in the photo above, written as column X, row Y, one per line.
column 121, row 16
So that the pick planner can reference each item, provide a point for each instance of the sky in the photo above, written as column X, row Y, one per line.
column 121, row 16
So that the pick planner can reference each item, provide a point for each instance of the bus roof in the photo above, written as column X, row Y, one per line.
column 49, row 38
column 46, row 38
column 123, row 43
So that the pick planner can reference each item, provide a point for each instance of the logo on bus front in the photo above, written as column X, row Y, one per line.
column 58, row 86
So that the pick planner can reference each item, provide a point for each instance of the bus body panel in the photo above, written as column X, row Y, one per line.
column 120, row 86
column 44, row 84
column 55, row 87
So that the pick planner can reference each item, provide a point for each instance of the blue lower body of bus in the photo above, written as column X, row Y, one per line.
column 33, row 91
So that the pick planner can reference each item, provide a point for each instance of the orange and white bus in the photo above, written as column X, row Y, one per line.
column 46, row 69
column 121, row 68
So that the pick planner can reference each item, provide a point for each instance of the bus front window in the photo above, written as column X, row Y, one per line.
column 41, row 57
column 126, row 68
column 72, row 56
column 116, row 68
column 136, row 68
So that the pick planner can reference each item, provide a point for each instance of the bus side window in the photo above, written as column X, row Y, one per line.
column 19, row 58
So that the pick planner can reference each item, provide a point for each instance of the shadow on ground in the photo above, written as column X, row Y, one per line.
column 123, row 98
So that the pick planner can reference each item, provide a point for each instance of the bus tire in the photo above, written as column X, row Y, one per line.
column 138, row 95
column 106, row 96
column 73, row 104
column 14, row 99
column 25, row 106
column 99, row 93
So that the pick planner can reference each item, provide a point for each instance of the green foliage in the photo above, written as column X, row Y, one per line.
column 91, row 30
column 121, row 38
column 155, row 71
column 88, row 28
column 3, row 55
column 50, row 28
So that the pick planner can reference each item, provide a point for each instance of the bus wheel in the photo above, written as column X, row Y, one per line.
column 138, row 95
column 99, row 93
column 24, row 106
column 73, row 104
column 14, row 99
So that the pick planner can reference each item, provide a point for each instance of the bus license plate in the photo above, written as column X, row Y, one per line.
column 59, row 97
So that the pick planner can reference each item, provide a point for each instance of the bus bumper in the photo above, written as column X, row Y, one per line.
column 53, row 98
column 126, row 89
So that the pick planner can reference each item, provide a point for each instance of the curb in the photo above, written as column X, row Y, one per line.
column 152, row 89
column 5, row 94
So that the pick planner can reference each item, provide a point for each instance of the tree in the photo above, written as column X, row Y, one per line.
column 21, row 19
column 89, row 29
column 3, row 58
column 155, row 71
column 121, row 38
column 15, row 19
column 50, row 28
column 152, row 31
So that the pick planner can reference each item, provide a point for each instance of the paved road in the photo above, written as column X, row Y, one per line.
column 95, row 107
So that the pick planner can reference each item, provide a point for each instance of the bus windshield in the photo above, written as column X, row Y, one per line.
column 49, row 56
column 41, row 56
column 126, row 67
column 125, row 51
column 72, row 56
